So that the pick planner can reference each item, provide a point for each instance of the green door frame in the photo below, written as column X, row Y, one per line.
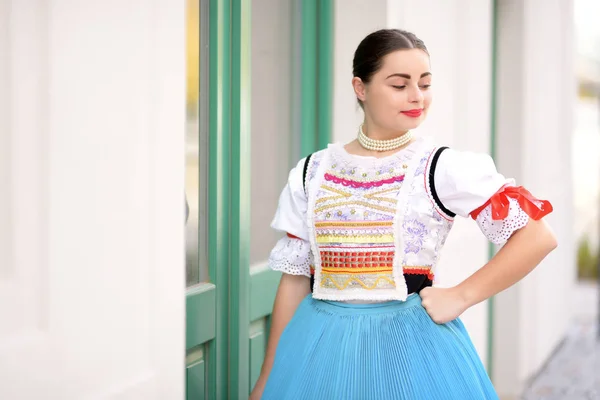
column 207, row 304
column 240, row 164
column 493, row 116
column 316, row 75
column 228, row 318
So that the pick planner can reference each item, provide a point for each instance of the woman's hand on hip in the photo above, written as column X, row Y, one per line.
column 443, row 304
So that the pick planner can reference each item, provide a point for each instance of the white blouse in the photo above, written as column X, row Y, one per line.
column 464, row 181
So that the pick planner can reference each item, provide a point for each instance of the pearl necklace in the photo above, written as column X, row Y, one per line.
column 382, row 145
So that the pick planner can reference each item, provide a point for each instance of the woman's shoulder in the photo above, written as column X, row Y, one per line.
column 311, row 157
column 462, row 162
column 465, row 179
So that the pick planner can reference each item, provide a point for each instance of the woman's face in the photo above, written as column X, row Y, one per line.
column 398, row 96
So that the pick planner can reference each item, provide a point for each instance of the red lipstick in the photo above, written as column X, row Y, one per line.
column 413, row 113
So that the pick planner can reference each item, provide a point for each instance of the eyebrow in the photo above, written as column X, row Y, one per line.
column 407, row 76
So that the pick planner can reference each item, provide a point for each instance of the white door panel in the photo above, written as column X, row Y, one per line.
column 92, row 103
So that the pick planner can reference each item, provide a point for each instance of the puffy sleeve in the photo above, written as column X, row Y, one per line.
column 292, row 254
column 468, row 184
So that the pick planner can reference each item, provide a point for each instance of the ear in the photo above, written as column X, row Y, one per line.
column 360, row 89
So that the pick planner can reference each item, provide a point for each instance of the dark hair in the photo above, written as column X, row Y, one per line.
column 369, row 54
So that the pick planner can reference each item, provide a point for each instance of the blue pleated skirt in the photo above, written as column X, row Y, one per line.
column 381, row 351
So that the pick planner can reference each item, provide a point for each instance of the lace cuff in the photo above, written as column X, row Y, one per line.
column 498, row 231
column 291, row 256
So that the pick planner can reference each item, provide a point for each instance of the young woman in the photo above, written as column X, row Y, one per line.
column 356, row 315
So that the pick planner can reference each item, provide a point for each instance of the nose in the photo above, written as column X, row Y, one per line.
column 415, row 95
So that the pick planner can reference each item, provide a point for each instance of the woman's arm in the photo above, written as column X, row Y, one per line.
column 526, row 248
column 292, row 290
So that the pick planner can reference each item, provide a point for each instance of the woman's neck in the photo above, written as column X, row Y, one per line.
column 355, row 148
column 377, row 133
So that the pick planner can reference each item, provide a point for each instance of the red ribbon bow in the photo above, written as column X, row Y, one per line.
column 535, row 208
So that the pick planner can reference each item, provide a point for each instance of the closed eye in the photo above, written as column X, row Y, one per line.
column 399, row 87
column 425, row 86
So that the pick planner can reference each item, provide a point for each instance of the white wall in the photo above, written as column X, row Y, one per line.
column 92, row 291
column 586, row 170
column 271, row 118
column 458, row 36
column 353, row 20
column 535, row 122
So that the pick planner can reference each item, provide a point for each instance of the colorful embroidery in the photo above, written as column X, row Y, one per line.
column 415, row 233
column 364, row 204
column 353, row 224
column 357, row 259
column 382, row 278
column 361, row 211
column 365, row 185
column 355, row 238
column 421, row 168
column 354, row 229
column 366, row 282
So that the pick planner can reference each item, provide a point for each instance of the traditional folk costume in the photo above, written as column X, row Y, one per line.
column 368, row 232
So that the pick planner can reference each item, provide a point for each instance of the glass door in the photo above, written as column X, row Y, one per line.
column 201, row 318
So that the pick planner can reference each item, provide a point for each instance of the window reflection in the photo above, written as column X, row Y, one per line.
column 195, row 144
column 272, row 73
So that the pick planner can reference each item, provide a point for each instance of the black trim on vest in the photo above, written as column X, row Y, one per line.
column 432, row 189
column 304, row 171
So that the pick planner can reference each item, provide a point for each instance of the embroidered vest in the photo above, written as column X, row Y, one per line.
column 373, row 224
